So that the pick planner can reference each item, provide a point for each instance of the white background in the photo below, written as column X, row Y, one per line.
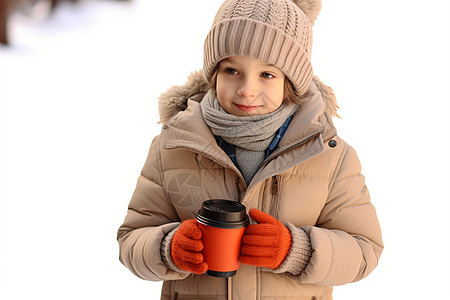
column 78, row 109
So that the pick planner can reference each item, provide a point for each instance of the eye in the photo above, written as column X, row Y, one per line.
column 267, row 75
column 231, row 71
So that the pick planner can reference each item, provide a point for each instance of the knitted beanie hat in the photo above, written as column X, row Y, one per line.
column 275, row 31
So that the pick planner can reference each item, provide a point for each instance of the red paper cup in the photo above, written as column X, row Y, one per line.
column 222, row 223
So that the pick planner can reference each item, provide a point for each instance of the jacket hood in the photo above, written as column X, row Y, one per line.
column 175, row 99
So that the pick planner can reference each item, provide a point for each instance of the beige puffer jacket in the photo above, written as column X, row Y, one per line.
column 312, row 180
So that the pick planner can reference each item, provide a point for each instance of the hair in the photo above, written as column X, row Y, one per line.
column 290, row 96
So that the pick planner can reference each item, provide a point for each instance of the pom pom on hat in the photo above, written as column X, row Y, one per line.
column 278, row 32
column 311, row 8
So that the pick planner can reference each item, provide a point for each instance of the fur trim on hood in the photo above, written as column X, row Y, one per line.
column 175, row 98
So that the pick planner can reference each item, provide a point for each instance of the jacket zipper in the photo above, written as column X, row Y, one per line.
column 238, row 189
column 275, row 196
column 275, row 185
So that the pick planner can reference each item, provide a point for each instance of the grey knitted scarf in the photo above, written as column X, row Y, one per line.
column 251, row 134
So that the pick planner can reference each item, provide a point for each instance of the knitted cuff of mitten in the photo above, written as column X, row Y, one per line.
column 299, row 254
column 165, row 252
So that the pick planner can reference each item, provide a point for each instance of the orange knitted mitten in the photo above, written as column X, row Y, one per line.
column 265, row 244
column 186, row 248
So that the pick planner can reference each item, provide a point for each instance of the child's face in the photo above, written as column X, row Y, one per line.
column 246, row 86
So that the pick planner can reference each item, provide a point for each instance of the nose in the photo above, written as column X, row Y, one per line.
column 247, row 89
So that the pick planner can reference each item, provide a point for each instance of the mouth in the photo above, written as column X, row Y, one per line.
column 246, row 107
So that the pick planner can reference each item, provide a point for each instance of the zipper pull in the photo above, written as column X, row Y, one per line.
column 274, row 185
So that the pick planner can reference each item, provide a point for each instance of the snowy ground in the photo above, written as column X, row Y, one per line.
column 78, row 103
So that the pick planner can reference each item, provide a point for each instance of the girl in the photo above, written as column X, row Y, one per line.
column 255, row 126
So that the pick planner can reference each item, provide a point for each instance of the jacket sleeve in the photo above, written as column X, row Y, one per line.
column 346, row 241
column 150, row 218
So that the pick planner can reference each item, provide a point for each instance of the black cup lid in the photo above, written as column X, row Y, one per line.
column 223, row 214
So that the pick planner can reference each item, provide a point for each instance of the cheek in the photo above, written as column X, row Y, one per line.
column 223, row 90
column 276, row 95
column 220, row 93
